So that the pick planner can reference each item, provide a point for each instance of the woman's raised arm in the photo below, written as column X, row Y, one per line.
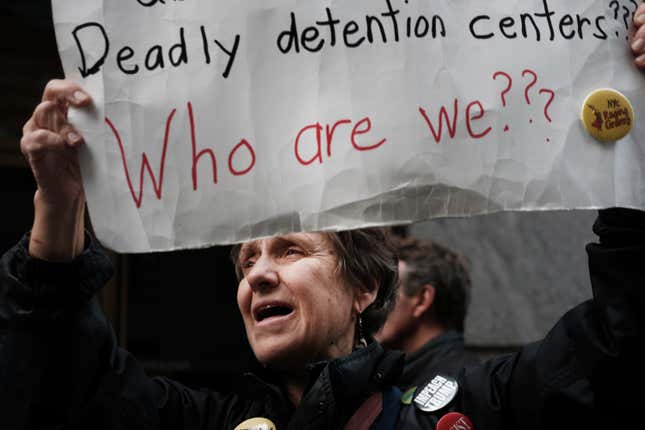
column 50, row 145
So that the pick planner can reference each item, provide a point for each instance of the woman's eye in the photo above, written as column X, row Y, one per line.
column 247, row 264
column 293, row 251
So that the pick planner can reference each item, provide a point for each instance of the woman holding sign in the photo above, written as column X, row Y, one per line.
column 310, row 303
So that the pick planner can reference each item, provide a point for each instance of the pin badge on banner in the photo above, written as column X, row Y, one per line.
column 258, row 423
column 436, row 394
column 607, row 115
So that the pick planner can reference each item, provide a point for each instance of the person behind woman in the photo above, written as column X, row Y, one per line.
column 427, row 321
column 308, row 300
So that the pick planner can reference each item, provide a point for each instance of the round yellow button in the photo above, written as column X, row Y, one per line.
column 607, row 115
column 257, row 423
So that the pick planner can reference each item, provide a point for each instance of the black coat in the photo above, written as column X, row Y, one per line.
column 60, row 366
column 444, row 354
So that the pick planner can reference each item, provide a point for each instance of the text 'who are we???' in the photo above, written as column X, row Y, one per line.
column 349, row 106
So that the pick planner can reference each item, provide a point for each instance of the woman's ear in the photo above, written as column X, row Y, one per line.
column 363, row 298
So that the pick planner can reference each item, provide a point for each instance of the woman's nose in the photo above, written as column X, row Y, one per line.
column 263, row 275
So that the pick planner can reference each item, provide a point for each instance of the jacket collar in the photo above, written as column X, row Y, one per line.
column 336, row 387
column 430, row 349
column 363, row 371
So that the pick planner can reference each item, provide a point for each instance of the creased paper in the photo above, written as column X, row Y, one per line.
column 220, row 121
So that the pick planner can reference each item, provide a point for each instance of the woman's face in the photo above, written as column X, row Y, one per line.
column 295, row 306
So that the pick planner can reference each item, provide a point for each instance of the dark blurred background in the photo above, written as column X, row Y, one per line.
column 527, row 268
column 176, row 312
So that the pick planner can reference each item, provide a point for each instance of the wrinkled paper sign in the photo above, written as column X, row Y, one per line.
column 218, row 121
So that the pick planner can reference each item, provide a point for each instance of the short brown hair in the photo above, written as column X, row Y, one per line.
column 366, row 260
column 447, row 271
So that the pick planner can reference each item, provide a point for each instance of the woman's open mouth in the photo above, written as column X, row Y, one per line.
column 272, row 312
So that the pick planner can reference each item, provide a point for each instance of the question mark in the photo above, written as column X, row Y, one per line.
column 614, row 2
column 530, row 85
column 625, row 16
column 635, row 7
column 615, row 9
column 508, row 88
column 548, row 103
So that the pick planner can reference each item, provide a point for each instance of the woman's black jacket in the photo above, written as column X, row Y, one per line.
column 60, row 366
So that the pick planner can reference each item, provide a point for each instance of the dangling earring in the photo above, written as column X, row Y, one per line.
column 361, row 342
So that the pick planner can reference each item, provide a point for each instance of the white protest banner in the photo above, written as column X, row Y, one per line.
column 217, row 121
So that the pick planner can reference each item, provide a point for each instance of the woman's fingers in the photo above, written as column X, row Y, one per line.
column 638, row 41
column 639, row 35
column 639, row 15
column 33, row 145
column 49, row 115
column 66, row 93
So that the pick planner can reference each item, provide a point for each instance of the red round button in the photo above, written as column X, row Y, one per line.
column 455, row 421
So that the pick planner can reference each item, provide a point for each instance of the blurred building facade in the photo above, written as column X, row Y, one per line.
column 527, row 269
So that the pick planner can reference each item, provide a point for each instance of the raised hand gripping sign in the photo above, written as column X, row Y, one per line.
column 221, row 121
